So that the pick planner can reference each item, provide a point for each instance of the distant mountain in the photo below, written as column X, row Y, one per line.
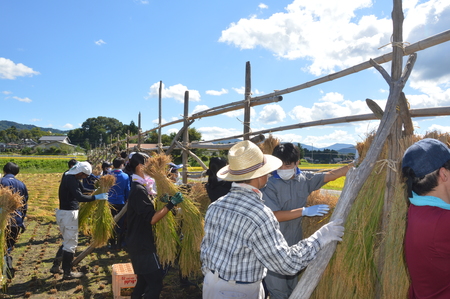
column 227, row 141
column 5, row 124
column 342, row 148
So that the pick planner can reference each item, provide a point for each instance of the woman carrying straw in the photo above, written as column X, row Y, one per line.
column 141, row 215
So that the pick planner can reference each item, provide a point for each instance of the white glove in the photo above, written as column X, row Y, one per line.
column 101, row 196
column 317, row 210
column 332, row 231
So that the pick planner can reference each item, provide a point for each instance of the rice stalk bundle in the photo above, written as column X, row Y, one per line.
column 312, row 224
column 269, row 144
column 9, row 202
column 200, row 196
column 95, row 217
column 166, row 235
column 192, row 231
column 189, row 218
column 352, row 273
column 97, row 170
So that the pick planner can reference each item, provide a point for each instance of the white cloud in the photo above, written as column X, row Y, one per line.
column 263, row 6
column 240, row 112
column 175, row 91
column 209, row 133
column 6, row 92
column 10, row 70
column 35, row 119
column 156, row 121
column 344, row 40
column 337, row 136
column 199, row 108
column 439, row 128
column 26, row 100
column 68, row 126
column 241, row 90
column 272, row 114
column 100, row 42
column 331, row 105
column 217, row 92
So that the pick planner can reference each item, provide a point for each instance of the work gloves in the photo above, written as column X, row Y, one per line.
column 332, row 231
column 317, row 210
column 172, row 200
column 101, row 196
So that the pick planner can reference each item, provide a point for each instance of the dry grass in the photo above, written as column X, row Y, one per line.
column 269, row 144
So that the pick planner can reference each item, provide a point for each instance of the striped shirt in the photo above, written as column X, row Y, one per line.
column 242, row 239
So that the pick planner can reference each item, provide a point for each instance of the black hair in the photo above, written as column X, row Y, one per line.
column 117, row 162
column 71, row 163
column 123, row 155
column 421, row 185
column 106, row 164
column 287, row 152
column 137, row 159
column 11, row 168
column 215, row 164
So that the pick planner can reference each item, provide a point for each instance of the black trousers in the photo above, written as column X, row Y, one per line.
column 148, row 286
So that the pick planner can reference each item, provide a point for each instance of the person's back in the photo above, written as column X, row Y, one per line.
column 426, row 168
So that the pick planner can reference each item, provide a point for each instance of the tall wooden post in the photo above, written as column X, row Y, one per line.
column 248, row 95
column 185, row 136
column 160, row 118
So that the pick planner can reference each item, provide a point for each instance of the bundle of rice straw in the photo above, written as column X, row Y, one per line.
column 200, row 196
column 269, row 144
column 9, row 202
column 95, row 217
column 190, row 222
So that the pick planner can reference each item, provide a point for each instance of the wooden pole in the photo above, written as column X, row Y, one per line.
column 185, row 136
column 248, row 95
column 160, row 117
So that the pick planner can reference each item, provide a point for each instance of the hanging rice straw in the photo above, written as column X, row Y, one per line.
column 9, row 203
column 269, row 144
column 200, row 196
column 191, row 221
column 166, row 236
column 95, row 217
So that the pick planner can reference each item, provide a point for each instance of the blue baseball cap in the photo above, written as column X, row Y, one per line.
column 426, row 156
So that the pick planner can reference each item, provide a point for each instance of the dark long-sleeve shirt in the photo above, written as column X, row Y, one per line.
column 71, row 193
column 17, row 186
column 139, row 215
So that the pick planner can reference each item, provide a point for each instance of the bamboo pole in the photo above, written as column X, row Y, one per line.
column 418, row 46
column 177, row 136
column 160, row 117
column 185, row 136
column 248, row 96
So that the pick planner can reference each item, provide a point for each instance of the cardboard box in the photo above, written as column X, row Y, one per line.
column 123, row 280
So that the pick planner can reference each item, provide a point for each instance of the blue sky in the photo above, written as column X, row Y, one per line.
column 62, row 62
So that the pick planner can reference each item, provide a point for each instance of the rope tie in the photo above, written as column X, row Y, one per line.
column 386, row 163
column 401, row 45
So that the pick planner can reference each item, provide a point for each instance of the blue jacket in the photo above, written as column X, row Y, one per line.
column 118, row 194
column 10, row 180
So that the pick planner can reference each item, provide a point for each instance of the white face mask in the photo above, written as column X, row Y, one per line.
column 286, row 174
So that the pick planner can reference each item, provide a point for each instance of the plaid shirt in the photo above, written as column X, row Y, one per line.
column 242, row 239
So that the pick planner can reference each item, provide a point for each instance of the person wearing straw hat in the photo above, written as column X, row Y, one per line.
column 286, row 194
column 242, row 236
column 71, row 193
column 426, row 168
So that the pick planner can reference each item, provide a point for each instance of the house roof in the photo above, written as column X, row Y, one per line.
column 54, row 138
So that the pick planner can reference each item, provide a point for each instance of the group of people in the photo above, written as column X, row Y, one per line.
column 253, row 243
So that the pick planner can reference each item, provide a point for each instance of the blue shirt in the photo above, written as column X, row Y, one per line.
column 118, row 194
column 17, row 186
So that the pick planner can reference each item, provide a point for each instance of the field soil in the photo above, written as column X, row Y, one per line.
column 36, row 247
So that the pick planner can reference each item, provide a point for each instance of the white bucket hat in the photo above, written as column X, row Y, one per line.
column 84, row 167
column 247, row 161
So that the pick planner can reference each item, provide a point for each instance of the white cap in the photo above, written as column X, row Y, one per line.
column 84, row 167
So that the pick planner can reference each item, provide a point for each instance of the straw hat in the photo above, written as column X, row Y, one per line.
column 84, row 167
column 247, row 161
